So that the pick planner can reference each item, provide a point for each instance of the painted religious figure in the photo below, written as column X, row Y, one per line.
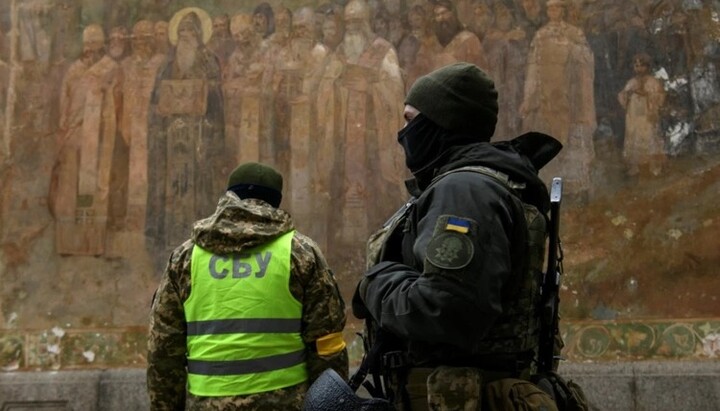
column 397, row 28
column 139, row 72
column 531, row 16
column 221, row 42
column 187, row 162
column 642, row 98
column 506, row 45
column 118, row 43
column 162, row 40
column 283, row 83
column 299, row 75
column 242, row 88
column 264, row 20
column 4, row 91
column 80, row 187
column 418, row 47
column 331, row 27
column 558, row 98
column 34, row 36
column 458, row 44
column 360, row 93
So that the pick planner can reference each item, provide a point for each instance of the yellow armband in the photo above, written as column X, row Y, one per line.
column 330, row 344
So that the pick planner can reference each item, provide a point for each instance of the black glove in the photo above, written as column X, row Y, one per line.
column 359, row 308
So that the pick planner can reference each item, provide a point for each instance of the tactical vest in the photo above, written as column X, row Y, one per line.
column 243, row 323
column 516, row 330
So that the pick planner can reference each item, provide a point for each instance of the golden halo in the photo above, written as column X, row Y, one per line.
column 205, row 22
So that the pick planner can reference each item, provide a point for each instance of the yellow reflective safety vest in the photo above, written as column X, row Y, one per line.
column 243, row 323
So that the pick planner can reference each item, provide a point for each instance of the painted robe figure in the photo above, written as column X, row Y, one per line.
column 242, row 88
column 221, row 42
column 417, row 48
column 642, row 98
column 162, row 40
column 4, row 86
column 297, row 75
column 186, row 152
column 284, row 84
column 79, row 191
column 118, row 45
column 457, row 43
column 139, row 72
column 506, row 46
column 558, row 98
column 361, row 168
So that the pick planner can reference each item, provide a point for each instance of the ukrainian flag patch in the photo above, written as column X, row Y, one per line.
column 457, row 224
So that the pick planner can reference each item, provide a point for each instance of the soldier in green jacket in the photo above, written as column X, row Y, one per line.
column 247, row 314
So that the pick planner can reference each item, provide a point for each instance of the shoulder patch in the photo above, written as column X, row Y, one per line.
column 450, row 250
column 457, row 224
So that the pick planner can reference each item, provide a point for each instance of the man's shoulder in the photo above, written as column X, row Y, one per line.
column 572, row 29
column 181, row 256
column 472, row 175
column 380, row 46
column 107, row 63
column 106, row 66
column 632, row 82
column 545, row 31
column 464, row 36
column 319, row 50
column 76, row 68
column 381, row 42
column 302, row 244
column 477, row 181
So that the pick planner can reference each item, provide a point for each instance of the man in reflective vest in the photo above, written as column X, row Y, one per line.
column 247, row 313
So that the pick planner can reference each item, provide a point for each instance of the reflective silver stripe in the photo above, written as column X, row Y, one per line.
column 255, row 365
column 244, row 325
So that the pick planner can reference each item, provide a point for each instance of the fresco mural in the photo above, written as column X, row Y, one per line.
column 120, row 120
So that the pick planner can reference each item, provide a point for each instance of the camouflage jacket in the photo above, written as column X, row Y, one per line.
column 237, row 225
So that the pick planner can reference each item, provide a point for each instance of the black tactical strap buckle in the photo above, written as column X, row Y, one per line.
column 393, row 360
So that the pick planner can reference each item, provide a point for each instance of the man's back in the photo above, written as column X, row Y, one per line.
column 250, row 306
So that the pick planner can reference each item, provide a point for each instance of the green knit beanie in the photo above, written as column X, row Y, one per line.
column 255, row 180
column 458, row 97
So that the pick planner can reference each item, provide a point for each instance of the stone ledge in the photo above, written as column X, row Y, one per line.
column 49, row 391
column 101, row 390
column 620, row 386
column 639, row 386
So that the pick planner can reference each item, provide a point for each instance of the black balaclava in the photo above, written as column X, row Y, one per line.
column 457, row 105
column 425, row 143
